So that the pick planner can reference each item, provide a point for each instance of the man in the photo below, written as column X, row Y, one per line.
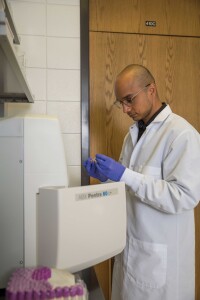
column 160, row 164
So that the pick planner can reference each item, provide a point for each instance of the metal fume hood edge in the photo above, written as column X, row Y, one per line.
column 9, row 60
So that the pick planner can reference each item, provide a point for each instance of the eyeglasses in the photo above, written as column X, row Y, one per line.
column 129, row 100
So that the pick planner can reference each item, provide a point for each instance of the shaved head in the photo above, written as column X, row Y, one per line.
column 136, row 74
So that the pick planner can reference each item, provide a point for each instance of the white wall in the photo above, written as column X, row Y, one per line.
column 50, row 38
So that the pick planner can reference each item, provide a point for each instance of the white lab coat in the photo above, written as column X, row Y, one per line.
column 163, row 187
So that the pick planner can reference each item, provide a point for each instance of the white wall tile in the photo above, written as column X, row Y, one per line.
column 34, row 1
column 64, row 2
column 63, row 85
column 52, row 66
column 74, row 174
column 72, row 145
column 37, row 82
column 35, row 51
column 68, row 113
column 63, row 21
column 38, row 107
column 63, row 53
column 29, row 17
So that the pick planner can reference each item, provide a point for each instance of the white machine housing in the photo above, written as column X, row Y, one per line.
column 75, row 227
column 31, row 156
column 82, row 226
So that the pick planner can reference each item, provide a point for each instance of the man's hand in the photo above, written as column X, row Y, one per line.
column 109, row 167
column 91, row 168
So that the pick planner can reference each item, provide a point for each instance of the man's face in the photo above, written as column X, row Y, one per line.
column 135, row 100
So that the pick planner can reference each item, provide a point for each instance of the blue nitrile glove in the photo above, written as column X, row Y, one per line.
column 109, row 167
column 92, row 170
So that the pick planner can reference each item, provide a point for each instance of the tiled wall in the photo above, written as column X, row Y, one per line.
column 50, row 38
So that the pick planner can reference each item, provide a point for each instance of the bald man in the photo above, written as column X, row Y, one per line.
column 160, row 165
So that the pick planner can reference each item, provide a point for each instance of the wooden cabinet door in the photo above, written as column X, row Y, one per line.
column 175, row 63
column 166, row 17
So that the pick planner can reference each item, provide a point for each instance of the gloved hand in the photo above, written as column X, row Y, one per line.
column 109, row 167
column 92, row 170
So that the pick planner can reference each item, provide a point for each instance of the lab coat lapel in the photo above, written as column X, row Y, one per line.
column 149, row 132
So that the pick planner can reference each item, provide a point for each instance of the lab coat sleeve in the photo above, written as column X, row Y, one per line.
column 179, row 188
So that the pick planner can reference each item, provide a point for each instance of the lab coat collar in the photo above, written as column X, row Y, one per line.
column 163, row 114
column 159, row 118
column 133, row 130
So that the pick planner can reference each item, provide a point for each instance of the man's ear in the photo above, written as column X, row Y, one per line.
column 152, row 89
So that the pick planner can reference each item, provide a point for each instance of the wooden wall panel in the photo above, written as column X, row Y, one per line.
column 103, row 271
column 175, row 63
column 173, row 17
